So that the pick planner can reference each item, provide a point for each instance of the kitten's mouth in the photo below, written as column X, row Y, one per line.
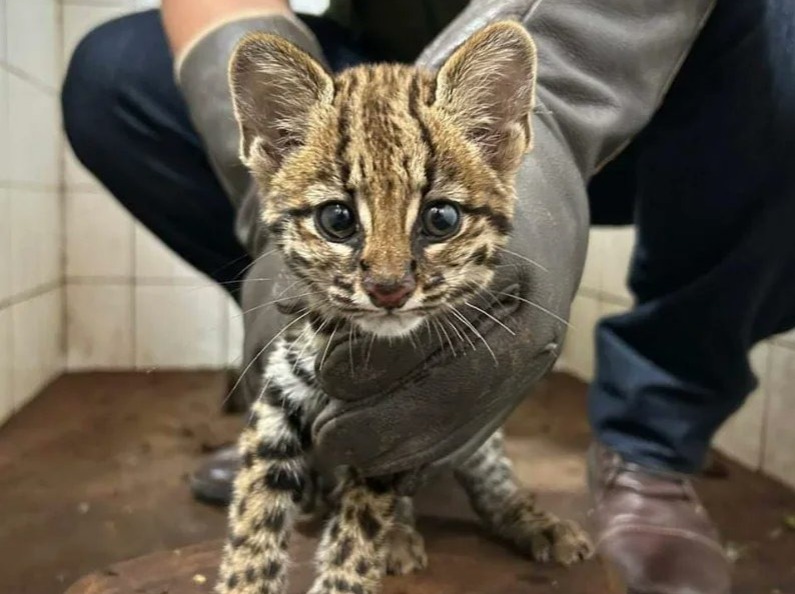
column 388, row 323
column 394, row 323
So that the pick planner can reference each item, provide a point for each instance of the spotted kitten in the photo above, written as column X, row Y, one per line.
column 389, row 191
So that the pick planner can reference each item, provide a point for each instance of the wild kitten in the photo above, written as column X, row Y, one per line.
column 389, row 191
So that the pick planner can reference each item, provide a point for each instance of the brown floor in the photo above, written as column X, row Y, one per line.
column 94, row 472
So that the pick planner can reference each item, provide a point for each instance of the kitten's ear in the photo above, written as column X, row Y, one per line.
column 488, row 87
column 275, row 85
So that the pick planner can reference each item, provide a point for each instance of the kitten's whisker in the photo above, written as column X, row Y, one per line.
column 411, row 340
column 213, row 283
column 350, row 345
column 461, row 337
column 263, row 349
column 328, row 345
column 257, row 259
column 228, row 264
column 275, row 301
column 288, row 287
column 469, row 324
column 539, row 307
column 491, row 317
column 438, row 326
column 525, row 258
column 262, row 391
column 369, row 350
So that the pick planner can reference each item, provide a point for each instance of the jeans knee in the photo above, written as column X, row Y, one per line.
column 90, row 88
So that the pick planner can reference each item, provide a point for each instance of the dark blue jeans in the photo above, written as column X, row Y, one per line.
column 710, row 185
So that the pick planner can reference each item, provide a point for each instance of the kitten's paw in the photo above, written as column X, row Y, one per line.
column 545, row 537
column 340, row 584
column 405, row 551
column 569, row 543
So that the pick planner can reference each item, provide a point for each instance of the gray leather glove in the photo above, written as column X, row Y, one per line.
column 603, row 68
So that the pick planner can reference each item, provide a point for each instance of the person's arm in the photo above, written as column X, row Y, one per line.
column 186, row 21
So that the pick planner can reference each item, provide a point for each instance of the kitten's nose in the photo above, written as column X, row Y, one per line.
column 390, row 294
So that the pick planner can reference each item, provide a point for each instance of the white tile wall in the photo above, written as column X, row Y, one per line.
column 234, row 355
column 742, row 437
column 99, row 237
column 578, row 354
column 616, row 250
column 99, row 325
column 6, row 362
column 178, row 326
column 34, row 38
column 36, row 344
column 31, row 314
column 34, row 120
column 4, row 144
column 779, row 445
column 35, row 239
column 154, row 262
column 5, row 246
column 3, row 31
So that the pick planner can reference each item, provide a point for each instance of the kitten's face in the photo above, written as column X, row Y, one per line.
column 388, row 190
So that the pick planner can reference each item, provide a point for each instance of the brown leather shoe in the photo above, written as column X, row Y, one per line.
column 212, row 482
column 651, row 530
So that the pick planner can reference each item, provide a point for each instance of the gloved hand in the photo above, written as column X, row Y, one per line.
column 603, row 67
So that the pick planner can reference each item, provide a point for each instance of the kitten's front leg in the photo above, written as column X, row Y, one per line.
column 266, row 491
column 509, row 511
column 351, row 556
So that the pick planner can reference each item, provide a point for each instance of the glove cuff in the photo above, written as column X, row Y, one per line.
column 202, row 74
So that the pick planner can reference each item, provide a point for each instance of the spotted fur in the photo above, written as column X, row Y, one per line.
column 385, row 141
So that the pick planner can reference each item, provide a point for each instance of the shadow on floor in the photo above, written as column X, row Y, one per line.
column 94, row 472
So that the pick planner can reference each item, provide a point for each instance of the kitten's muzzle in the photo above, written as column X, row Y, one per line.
column 389, row 294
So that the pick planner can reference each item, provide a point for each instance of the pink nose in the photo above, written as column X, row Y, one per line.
column 390, row 295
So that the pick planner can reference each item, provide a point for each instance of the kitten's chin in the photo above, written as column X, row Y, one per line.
column 390, row 326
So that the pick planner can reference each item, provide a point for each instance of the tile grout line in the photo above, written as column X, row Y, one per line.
column 29, row 294
column 28, row 186
column 59, row 59
column 28, row 78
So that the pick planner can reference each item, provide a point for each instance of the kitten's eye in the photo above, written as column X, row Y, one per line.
column 336, row 221
column 441, row 219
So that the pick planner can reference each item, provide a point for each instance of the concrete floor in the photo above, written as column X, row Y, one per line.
column 94, row 472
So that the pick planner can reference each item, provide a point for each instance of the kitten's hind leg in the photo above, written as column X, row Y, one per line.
column 352, row 553
column 405, row 546
column 266, row 491
column 509, row 511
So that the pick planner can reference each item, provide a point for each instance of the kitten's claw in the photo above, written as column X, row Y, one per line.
column 405, row 551
column 546, row 538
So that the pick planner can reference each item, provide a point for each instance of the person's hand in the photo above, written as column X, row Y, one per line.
column 185, row 21
column 430, row 400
